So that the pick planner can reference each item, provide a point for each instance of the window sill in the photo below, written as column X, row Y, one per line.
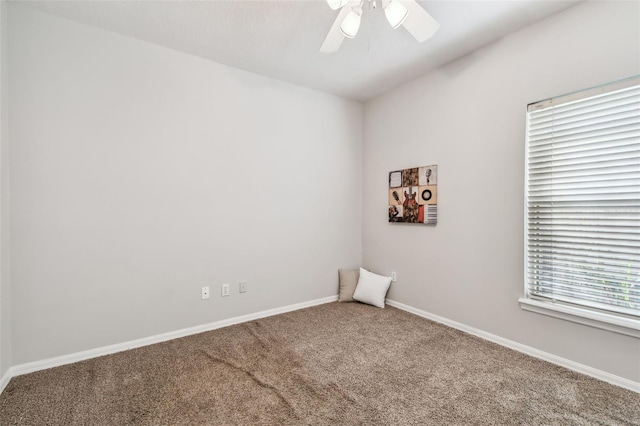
column 626, row 326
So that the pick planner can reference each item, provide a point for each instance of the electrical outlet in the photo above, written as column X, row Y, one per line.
column 205, row 293
column 393, row 277
column 243, row 286
column 225, row 290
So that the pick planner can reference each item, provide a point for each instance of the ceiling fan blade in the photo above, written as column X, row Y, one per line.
column 335, row 37
column 418, row 22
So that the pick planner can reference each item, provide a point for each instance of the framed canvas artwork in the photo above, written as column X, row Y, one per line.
column 413, row 195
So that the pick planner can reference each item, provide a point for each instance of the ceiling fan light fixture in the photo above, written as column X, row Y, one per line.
column 395, row 13
column 336, row 4
column 351, row 23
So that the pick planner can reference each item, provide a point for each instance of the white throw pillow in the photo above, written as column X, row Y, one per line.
column 372, row 288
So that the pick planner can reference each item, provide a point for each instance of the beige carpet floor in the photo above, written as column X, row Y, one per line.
column 334, row 364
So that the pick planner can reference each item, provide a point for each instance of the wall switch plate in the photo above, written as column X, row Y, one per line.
column 393, row 277
column 205, row 293
column 225, row 290
column 243, row 286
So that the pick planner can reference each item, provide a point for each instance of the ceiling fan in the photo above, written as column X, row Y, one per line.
column 406, row 13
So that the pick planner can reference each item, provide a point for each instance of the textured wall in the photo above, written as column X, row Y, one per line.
column 5, row 288
column 140, row 174
column 469, row 119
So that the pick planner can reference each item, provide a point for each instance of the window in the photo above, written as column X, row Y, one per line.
column 582, row 236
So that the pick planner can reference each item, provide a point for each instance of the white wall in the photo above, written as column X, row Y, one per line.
column 469, row 118
column 140, row 174
column 5, row 289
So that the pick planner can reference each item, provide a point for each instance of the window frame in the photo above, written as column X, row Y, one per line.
column 618, row 323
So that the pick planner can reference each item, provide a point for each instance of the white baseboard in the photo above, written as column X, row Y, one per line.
column 554, row 359
column 30, row 367
column 4, row 381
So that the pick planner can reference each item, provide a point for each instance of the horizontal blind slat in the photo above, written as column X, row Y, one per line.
column 624, row 297
column 585, row 150
column 551, row 144
column 582, row 116
column 585, row 98
column 625, row 156
column 585, row 291
column 559, row 246
column 628, row 121
column 540, row 253
column 583, row 178
column 597, row 276
column 577, row 295
column 624, row 163
column 577, row 260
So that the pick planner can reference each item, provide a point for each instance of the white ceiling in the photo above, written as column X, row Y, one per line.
column 281, row 38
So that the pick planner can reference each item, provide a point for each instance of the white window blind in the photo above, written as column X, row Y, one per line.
column 583, row 199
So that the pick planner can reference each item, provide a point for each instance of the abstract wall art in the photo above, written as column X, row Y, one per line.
column 413, row 195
